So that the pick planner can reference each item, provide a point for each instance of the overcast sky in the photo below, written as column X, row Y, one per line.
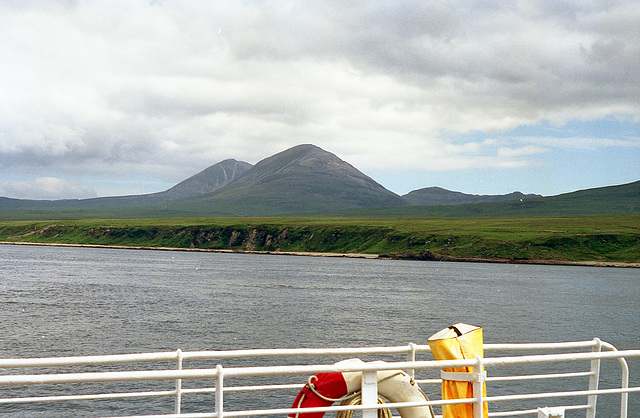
column 121, row 97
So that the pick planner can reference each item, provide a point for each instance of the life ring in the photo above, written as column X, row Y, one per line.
column 323, row 389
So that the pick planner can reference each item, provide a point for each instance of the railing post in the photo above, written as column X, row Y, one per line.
column 479, row 377
column 219, row 391
column 411, row 356
column 624, row 397
column 370, row 393
column 624, row 384
column 594, row 378
column 178, row 403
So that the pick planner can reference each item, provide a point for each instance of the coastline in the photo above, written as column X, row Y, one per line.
column 338, row 255
column 202, row 250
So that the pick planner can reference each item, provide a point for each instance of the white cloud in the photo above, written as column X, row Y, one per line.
column 44, row 188
column 117, row 87
column 521, row 151
column 581, row 143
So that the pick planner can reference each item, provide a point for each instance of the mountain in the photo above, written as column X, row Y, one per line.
column 133, row 206
column 307, row 180
column 206, row 181
column 436, row 196
column 300, row 179
column 209, row 180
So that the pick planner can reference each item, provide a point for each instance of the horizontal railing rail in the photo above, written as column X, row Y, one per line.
column 279, row 352
column 218, row 374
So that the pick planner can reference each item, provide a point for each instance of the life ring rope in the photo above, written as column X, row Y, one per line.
column 312, row 388
column 326, row 389
column 357, row 400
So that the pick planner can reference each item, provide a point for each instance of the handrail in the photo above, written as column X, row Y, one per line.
column 248, row 353
column 303, row 369
column 220, row 373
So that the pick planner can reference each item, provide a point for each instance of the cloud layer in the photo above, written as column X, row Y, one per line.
column 47, row 188
column 132, row 87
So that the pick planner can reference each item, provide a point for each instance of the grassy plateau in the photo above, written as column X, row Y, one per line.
column 597, row 240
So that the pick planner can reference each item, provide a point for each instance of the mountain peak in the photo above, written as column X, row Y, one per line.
column 208, row 180
column 304, row 178
column 306, row 158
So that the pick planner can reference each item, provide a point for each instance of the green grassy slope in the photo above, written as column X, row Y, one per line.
column 612, row 200
column 311, row 200
column 585, row 238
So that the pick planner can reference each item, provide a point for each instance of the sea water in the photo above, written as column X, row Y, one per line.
column 60, row 301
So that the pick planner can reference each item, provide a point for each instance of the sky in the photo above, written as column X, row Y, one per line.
column 117, row 97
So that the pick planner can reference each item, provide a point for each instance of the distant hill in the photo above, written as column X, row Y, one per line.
column 206, row 181
column 622, row 199
column 133, row 206
column 436, row 196
column 300, row 179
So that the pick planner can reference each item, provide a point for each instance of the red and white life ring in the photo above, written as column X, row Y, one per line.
column 324, row 389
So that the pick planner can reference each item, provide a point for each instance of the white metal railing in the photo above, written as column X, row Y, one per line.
column 215, row 377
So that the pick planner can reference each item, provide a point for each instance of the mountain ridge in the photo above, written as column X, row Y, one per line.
column 301, row 178
column 307, row 180
column 437, row 196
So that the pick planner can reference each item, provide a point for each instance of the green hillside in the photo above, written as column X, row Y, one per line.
column 601, row 239
column 612, row 200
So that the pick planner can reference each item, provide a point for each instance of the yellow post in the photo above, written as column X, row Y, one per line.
column 458, row 342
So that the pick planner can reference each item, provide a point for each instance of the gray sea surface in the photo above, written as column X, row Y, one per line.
column 59, row 301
